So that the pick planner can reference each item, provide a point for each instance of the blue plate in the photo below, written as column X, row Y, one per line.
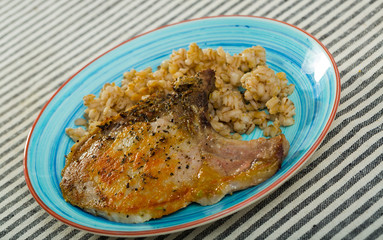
column 307, row 63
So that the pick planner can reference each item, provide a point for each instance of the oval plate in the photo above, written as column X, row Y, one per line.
column 307, row 63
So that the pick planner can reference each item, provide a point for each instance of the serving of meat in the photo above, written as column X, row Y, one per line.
column 161, row 155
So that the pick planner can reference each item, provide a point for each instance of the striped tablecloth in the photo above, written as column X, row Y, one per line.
column 338, row 195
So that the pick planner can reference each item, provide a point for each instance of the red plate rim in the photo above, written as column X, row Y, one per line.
column 210, row 218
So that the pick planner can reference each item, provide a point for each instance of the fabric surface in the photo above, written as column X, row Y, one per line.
column 338, row 195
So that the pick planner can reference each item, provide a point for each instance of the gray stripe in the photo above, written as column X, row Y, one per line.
column 86, row 236
column 337, row 194
column 61, row 228
column 363, row 71
column 183, row 234
column 355, row 38
column 358, row 89
column 41, row 229
column 343, row 23
column 304, row 7
column 162, row 237
column 23, row 26
column 379, row 231
column 12, row 180
column 357, row 62
column 258, row 9
column 326, row 14
column 20, row 90
column 24, row 87
column 49, row 30
column 309, row 14
column 22, row 195
column 71, row 234
column 15, row 155
column 357, row 49
column 27, row 25
column 244, row 7
column 14, row 167
column 346, row 204
column 269, row 8
column 353, row 16
column 22, row 218
column 378, row 214
column 215, row 225
column 30, row 225
column 9, row 14
column 332, row 133
column 7, row 7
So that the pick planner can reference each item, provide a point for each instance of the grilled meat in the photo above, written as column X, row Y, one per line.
column 161, row 155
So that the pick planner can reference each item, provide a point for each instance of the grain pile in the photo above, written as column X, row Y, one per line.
column 245, row 88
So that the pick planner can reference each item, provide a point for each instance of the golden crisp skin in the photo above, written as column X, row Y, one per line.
column 162, row 155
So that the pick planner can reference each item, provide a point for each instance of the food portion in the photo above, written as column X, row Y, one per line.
column 244, row 88
column 162, row 154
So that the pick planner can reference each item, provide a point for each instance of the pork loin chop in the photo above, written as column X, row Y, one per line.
column 161, row 155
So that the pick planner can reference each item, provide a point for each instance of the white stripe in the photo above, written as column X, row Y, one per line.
column 11, row 186
column 352, row 21
column 321, row 16
column 349, row 127
column 39, row 229
column 235, row 9
column 356, row 65
column 13, row 197
column 354, row 206
column 67, row 231
column 21, row 138
column 48, row 36
column 333, row 25
column 268, row 7
column 371, row 228
column 252, row 9
column 18, row 148
column 297, row 15
column 337, row 202
column 339, row 43
column 332, row 14
column 72, row 38
column 192, row 10
column 20, row 227
column 16, row 13
column 362, row 47
column 147, row 17
column 52, row 228
column 281, row 12
column 6, row 7
column 50, row 66
column 8, row 164
column 11, row 210
column 60, row 49
column 28, row 30
column 361, row 95
column 220, row 7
